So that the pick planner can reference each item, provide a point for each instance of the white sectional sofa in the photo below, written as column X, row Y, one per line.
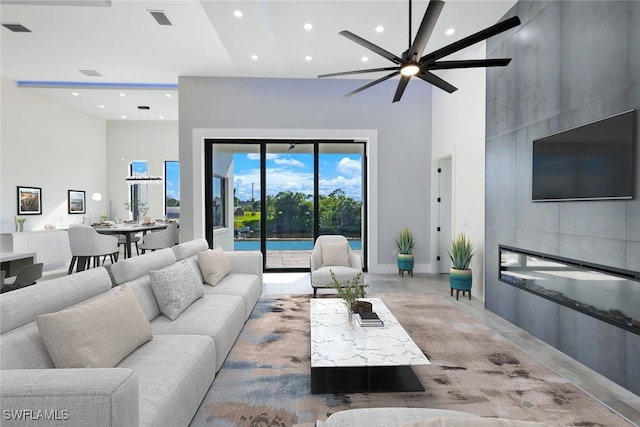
column 160, row 383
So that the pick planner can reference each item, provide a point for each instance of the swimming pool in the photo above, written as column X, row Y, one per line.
column 285, row 245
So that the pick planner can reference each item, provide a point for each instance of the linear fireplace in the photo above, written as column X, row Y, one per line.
column 607, row 293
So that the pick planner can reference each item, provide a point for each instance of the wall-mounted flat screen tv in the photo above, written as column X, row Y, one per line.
column 590, row 162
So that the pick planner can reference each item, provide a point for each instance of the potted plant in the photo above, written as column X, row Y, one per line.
column 405, row 243
column 350, row 291
column 460, row 253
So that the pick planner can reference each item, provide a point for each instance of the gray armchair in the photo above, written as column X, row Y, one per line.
column 332, row 253
column 86, row 244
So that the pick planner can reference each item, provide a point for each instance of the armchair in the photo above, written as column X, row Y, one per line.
column 333, row 253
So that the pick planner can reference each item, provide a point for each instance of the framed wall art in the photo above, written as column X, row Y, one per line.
column 77, row 202
column 29, row 200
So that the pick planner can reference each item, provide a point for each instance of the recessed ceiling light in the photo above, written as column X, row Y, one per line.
column 123, row 116
column 101, row 106
column 75, row 94
column 308, row 58
column 254, row 57
column 379, row 29
column 450, row 31
column 365, row 59
column 161, row 117
column 308, row 26
column 238, row 14
column 122, row 94
column 168, row 95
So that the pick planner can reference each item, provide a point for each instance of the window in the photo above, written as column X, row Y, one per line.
column 138, row 193
column 219, row 201
column 172, row 189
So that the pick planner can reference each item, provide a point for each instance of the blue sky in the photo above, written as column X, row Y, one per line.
column 294, row 172
column 172, row 178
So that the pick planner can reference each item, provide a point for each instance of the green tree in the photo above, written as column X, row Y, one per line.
column 290, row 213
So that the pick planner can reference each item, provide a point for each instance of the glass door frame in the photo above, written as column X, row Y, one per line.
column 263, row 143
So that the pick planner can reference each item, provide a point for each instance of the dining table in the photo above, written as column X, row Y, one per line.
column 128, row 230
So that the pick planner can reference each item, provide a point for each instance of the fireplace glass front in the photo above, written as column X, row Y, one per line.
column 610, row 294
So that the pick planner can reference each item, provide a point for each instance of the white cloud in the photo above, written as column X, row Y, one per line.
column 349, row 166
column 289, row 162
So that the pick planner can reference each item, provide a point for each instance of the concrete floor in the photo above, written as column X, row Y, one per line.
column 609, row 393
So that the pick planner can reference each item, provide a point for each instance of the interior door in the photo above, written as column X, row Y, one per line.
column 444, row 213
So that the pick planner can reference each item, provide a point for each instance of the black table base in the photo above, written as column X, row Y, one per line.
column 379, row 379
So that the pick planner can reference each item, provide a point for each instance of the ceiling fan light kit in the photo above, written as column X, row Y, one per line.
column 407, row 64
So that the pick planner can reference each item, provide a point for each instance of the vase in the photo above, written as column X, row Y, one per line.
column 460, row 280
column 405, row 263
column 19, row 226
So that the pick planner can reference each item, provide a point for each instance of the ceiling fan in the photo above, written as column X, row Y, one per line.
column 410, row 63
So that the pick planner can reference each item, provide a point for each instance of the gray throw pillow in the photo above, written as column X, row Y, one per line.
column 176, row 287
column 214, row 265
column 98, row 334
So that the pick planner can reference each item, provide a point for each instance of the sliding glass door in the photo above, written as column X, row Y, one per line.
column 288, row 192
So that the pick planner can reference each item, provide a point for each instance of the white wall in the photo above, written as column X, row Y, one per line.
column 401, row 192
column 47, row 145
column 459, row 131
column 153, row 141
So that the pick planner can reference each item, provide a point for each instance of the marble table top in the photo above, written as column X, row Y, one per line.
column 338, row 342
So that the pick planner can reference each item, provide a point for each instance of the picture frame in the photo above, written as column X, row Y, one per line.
column 76, row 201
column 29, row 200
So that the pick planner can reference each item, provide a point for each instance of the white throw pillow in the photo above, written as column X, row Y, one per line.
column 98, row 334
column 176, row 287
column 214, row 265
column 334, row 254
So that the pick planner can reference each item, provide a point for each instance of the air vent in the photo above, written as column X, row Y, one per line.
column 160, row 17
column 17, row 28
column 90, row 73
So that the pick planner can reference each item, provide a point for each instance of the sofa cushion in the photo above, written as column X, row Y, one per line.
column 176, row 287
column 335, row 254
column 214, row 265
column 174, row 373
column 322, row 276
column 246, row 286
column 220, row 317
column 98, row 334
column 471, row 422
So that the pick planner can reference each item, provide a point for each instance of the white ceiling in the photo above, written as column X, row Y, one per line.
column 121, row 40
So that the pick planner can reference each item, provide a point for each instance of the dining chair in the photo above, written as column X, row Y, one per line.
column 27, row 276
column 160, row 239
column 122, row 240
column 87, row 244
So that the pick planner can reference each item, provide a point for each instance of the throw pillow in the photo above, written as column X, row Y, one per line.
column 335, row 254
column 176, row 287
column 214, row 265
column 98, row 334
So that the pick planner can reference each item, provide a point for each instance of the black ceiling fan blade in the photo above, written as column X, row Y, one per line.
column 372, row 47
column 471, row 40
column 402, row 85
column 437, row 81
column 347, row 73
column 375, row 82
column 471, row 63
column 429, row 20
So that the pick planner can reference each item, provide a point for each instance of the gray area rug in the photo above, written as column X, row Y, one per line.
column 265, row 381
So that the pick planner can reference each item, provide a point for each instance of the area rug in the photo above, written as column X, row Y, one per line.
column 265, row 380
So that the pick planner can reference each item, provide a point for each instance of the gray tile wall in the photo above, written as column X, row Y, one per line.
column 573, row 62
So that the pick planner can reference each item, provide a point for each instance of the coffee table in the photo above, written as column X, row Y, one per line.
column 349, row 358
